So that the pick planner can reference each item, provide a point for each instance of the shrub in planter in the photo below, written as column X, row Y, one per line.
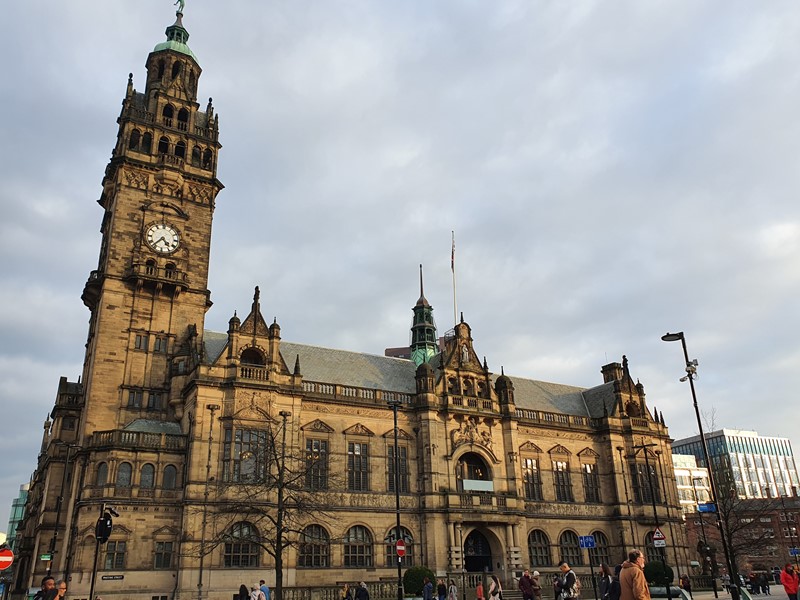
column 657, row 573
column 413, row 580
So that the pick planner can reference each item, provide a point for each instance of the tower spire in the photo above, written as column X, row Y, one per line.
column 423, row 329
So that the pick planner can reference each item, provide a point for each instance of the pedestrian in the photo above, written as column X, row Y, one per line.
column 568, row 582
column 632, row 582
column 256, row 593
column 606, row 579
column 48, row 589
column 452, row 591
column 686, row 584
column 427, row 589
column 496, row 590
column 556, row 591
column 479, row 591
column 537, row 588
column 346, row 595
column 61, row 589
column 441, row 590
column 525, row 585
column 244, row 594
column 790, row 581
column 764, row 581
column 264, row 589
column 362, row 593
column 615, row 592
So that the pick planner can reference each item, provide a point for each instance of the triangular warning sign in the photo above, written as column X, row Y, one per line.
column 658, row 534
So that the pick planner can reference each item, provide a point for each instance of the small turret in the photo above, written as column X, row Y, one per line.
column 423, row 329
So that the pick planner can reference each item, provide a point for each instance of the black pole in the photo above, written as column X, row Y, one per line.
column 690, row 372
column 655, row 512
column 591, row 570
column 213, row 408
column 398, row 536
column 707, row 550
column 96, row 554
column 280, row 526
column 463, row 563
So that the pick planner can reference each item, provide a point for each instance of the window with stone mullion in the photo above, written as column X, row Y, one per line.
column 591, row 483
column 562, row 481
column 317, row 464
column 402, row 454
column 641, row 484
column 357, row 467
column 531, row 479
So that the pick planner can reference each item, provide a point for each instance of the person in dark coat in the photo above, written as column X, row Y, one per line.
column 362, row 593
column 244, row 593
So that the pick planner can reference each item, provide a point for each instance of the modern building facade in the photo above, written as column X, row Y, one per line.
column 15, row 516
column 758, row 466
column 201, row 439
column 691, row 482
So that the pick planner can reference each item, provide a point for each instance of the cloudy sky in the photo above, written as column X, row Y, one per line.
column 612, row 171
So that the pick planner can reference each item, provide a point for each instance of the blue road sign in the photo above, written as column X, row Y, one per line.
column 707, row 507
column 794, row 551
column 586, row 541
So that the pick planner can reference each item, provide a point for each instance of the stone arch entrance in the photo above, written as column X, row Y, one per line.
column 477, row 553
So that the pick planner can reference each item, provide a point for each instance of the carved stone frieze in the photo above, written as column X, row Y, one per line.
column 358, row 429
column 318, row 426
column 135, row 178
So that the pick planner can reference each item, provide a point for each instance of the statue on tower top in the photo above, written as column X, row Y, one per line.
column 180, row 4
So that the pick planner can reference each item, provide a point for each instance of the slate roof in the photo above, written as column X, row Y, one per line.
column 152, row 426
column 342, row 367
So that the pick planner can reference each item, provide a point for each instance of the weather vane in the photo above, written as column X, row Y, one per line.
column 180, row 4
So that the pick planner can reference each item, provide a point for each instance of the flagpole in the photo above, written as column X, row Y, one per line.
column 453, row 269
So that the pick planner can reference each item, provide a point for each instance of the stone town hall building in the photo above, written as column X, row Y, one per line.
column 179, row 428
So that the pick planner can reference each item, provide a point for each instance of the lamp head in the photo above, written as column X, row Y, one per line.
column 672, row 337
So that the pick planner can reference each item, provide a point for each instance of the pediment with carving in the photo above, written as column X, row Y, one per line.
column 401, row 435
column 530, row 447
column 317, row 426
column 559, row 449
column 588, row 453
column 358, row 429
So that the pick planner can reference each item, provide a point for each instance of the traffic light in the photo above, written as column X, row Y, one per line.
column 103, row 528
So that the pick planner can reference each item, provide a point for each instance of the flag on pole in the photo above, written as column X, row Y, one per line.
column 453, row 253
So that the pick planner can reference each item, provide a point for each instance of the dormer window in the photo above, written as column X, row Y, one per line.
column 252, row 356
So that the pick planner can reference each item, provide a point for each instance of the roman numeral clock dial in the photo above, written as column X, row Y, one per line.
column 162, row 238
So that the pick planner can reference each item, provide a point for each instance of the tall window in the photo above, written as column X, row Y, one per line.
column 391, row 547
column 358, row 547
column 402, row 454
column 163, row 555
column 141, row 341
column 239, row 550
column 600, row 553
column 135, row 398
column 317, row 464
column 641, row 484
column 147, row 477
column 539, row 549
column 115, row 556
column 653, row 553
column 244, row 455
column 124, row 472
column 531, row 479
column 160, row 344
column 315, row 547
column 591, row 483
column 102, row 474
column 562, row 481
column 170, row 479
column 357, row 467
column 570, row 548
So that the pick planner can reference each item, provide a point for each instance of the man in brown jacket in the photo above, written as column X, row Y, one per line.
column 632, row 582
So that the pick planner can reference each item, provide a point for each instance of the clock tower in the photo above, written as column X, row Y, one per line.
column 148, row 295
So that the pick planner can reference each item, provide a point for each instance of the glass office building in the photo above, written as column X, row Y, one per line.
column 760, row 466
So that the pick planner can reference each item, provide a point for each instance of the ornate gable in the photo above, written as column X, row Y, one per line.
column 588, row 453
column 317, row 426
column 255, row 324
column 530, row 447
column 559, row 449
column 401, row 435
column 358, row 429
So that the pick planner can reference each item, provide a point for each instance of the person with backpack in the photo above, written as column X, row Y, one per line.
column 568, row 585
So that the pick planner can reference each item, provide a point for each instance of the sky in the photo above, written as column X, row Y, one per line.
column 611, row 170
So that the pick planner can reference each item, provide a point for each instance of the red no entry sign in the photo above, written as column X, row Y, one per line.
column 401, row 548
column 6, row 558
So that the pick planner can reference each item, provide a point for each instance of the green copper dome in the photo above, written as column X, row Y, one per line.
column 177, row 36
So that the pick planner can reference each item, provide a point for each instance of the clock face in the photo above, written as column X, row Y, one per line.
column 162, row 238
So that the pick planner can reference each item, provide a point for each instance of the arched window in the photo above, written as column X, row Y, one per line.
column 240, row 549
column 180, row 149
column 169, row 270
column 161, row 66
column 176, row 68
column 472, row 473
column 358, row 547
column 315, row 547
column 170, row 479
column 570, row 548
column 539, row 549
column 191, row 83
column 101, row 478
column 207, row 159
column 168, row 113
column 163, row 145
column 150, row 267
column 133, row 142
column 147, row 478
column 147, row 143
column 653, row 553
column 124, row 472
column 391, row 547
column 600, row 553
column 252, row 356
column 196, row 156
column 183, row 119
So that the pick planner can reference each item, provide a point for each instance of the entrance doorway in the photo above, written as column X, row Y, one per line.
column 477, row 553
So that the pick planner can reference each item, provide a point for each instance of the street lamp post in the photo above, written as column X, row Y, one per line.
column 663, row 555
column 281, row 526
column 691, row 370
column 707, row 550
column 463, row 562
column 395, row 404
